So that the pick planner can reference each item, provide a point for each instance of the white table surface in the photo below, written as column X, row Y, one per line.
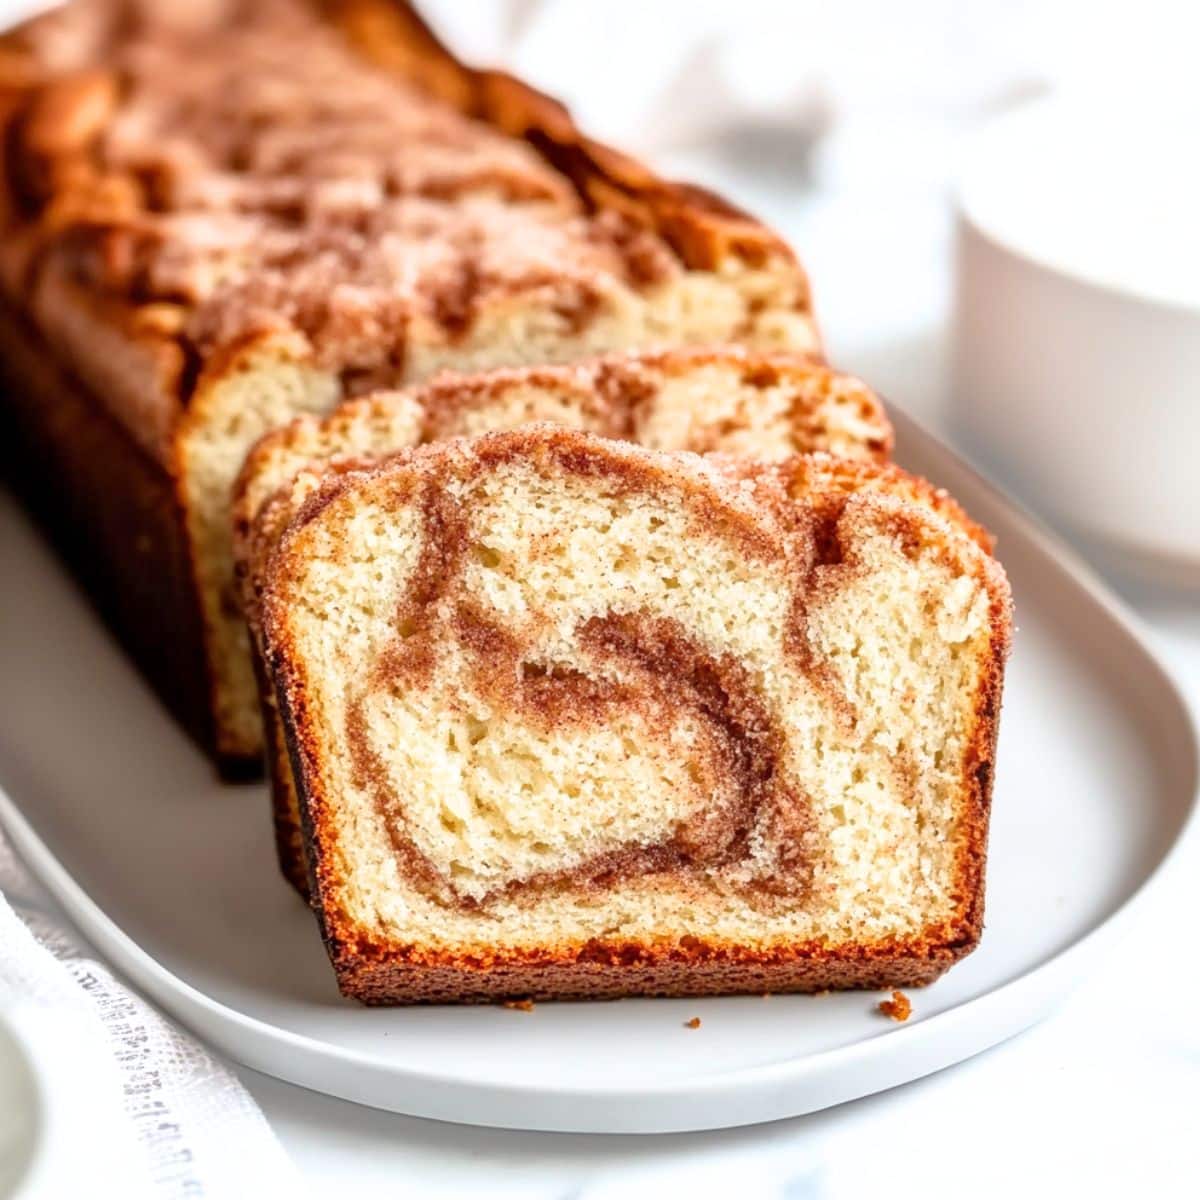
column 1102, row 1098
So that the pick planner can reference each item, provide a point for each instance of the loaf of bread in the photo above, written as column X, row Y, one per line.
column 576, row 718
column 765, row 406
column 216, row 217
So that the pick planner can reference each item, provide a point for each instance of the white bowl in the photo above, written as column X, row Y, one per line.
column 19, row 1110
column 18, row 1113
column 61, row 1129
column 1076, row 363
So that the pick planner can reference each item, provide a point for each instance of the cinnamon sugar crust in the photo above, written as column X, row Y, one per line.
column 247, row 163
column 541, row 887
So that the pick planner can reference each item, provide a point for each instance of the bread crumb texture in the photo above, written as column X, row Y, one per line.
column 553, row 694
column 726, row 400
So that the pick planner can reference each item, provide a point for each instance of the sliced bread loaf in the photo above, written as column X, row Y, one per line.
column 771, row 406
column 571, row 717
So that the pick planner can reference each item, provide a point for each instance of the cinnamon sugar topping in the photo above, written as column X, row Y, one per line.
column 271, row 178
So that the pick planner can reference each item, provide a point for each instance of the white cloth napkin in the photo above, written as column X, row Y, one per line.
column 128, row 1104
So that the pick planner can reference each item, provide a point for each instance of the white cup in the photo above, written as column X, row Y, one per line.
column 1076, row 360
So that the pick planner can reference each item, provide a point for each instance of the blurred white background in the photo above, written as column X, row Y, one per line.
column 840, row 124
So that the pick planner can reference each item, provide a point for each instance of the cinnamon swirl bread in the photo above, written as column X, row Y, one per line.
column 572, row 718
column 218, row 216
column 769, row 406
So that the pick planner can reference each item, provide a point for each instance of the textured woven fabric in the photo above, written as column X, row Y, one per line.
column 148, row 1110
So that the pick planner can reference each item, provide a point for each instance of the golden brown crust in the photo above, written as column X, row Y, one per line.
column 634, row 970
column 112, row 512
column 697, row 964
column 63, row 202
column 703, row 228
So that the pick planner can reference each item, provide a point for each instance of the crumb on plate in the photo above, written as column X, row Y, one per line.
column 694, row 1023
column 525, row 1005
column 899, row 1007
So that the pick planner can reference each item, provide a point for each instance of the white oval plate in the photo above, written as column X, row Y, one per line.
column 172, row 877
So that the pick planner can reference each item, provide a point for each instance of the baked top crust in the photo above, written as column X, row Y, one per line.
column 824, row 657
column 238, row 170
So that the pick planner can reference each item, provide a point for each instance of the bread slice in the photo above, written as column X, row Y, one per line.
column 575, row 718
column 761, row 405
column 771, row 406
column 216, row 218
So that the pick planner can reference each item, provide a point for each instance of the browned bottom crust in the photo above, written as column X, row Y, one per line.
column 395, row 983
column 285, row 816
column 113, row 516
column 289, row 850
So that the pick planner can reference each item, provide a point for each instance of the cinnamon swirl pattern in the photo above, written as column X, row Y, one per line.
column 769, row 406
column 570, row 717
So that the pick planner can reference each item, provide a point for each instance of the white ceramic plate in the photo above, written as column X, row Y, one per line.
column 172, row 877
